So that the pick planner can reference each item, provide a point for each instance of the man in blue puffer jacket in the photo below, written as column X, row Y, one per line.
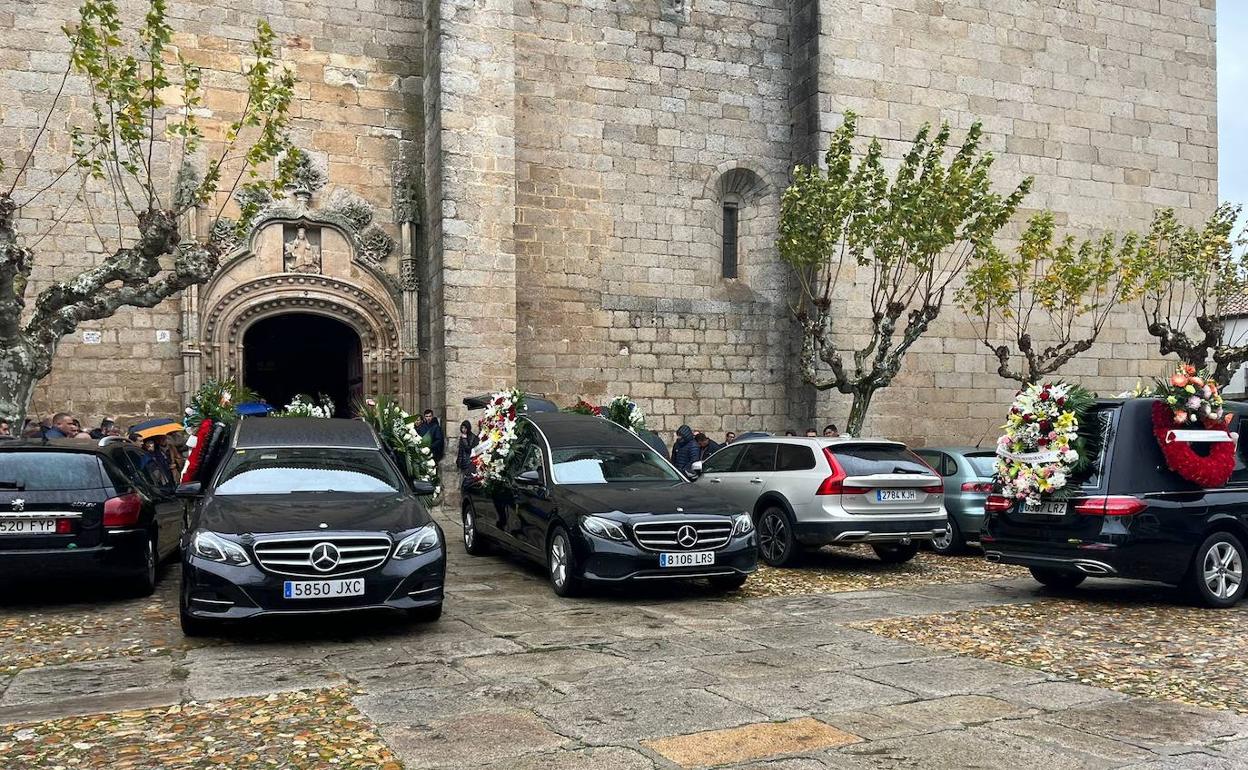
column 685, row 452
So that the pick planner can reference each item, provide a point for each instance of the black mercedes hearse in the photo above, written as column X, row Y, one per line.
column 308, row 515
column 1131, row 516
column 594, row 503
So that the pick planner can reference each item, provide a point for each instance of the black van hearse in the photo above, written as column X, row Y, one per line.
column 303, row 516
column 1131, row 516
column 592, row 502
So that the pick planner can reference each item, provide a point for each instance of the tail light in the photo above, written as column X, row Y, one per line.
column 64, row 527
column 998, row 504
column 934, row 489
column 835, row 484
column 977, row 486
column 1110, row 505
column 123, row 511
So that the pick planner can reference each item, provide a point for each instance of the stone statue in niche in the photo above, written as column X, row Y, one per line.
column 300, row 254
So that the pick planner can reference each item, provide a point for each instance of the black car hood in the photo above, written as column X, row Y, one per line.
column 267, row 514
column 644, row 499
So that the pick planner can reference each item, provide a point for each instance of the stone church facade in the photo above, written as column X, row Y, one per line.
column 581, row 197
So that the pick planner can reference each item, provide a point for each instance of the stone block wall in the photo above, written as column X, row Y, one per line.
column 628, row 118
column 1110, row 105
column 359, row 103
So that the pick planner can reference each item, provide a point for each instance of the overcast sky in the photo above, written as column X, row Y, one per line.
column 1232, row 101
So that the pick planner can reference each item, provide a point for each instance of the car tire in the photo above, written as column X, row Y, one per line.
column 144, row 584
column 1216, row 576
column 895, row 553
column 425, row 614
column 474, row 542
column 561, row 564
column 776, row 544
column 1059, row 579
column 728, row 582
column 953, row 542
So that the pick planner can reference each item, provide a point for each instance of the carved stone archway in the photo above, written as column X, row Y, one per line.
column 227, row 316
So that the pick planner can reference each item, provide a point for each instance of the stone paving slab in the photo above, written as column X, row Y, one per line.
column 952, row 676
column 471, row 739
column 750, row 742
column 114, row 677
column 815, row 694
column 927, row 716
column 606, row 719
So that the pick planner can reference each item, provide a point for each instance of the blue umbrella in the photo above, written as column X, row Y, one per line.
column 253, row 408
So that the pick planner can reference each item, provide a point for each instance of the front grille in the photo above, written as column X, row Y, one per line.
column 294, row 555
column 666, row 535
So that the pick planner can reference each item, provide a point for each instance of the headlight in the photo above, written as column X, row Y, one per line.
column 742, row 524
column 422, row 540
column 216, row 548
column 600, row 527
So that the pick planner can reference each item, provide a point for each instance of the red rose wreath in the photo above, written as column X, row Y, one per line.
column 1190, row 401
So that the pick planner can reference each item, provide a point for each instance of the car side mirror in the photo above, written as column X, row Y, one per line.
column 696, row 469
column 190, row 489
column 528, row 479
column 423, row 488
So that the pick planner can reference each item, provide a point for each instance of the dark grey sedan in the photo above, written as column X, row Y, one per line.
column 967, row 476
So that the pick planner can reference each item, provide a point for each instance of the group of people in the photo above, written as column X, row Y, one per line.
column 694, row 446
column 162, row 455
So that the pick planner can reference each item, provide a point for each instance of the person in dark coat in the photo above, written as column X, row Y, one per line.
column 463, row 454
column 429, row 426
column 706, row 447
column 685, row 452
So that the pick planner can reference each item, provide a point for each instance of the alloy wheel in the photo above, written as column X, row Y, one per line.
column 945, row 539
column 772, row 537
column 559, row 560
column 470, row 530
column 1223, row 570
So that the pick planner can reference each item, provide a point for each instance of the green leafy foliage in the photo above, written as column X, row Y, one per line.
column 904, row 238
column 217, row 400
column 1189, row 278
column 1049, row 288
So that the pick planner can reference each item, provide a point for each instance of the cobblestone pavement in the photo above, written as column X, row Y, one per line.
column 665, row 677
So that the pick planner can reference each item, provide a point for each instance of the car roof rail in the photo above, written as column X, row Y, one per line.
column 110, row 439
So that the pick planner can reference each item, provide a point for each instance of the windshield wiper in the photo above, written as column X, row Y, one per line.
column 18, row 485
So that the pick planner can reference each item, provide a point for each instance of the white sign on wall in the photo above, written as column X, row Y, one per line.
column 92, row 338
column 163, row 335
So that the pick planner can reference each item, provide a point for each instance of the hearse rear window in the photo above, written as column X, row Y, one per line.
column 45, row 471
column 1095, row 430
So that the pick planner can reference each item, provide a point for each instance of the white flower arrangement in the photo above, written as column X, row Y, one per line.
column 304, row 406
column 626, row 413
column 496, row 433
column 397, row 428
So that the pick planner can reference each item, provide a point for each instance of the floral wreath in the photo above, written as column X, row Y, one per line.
column 496, row 433
column 584, row 407
column 1041, row 446
column 1189, row 400
column 397, row 428
column 625, row 413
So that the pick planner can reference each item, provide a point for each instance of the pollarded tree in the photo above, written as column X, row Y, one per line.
column 140, row 129
column 911, row 236
column 1190, row 276
column 1049, row 289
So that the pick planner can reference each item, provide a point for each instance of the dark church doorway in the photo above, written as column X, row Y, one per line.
column 295, row 353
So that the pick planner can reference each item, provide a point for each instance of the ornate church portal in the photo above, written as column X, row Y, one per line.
column 304, row 304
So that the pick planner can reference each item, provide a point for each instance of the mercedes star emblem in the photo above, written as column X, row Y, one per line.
column 324, row 557
column 19, row 504
column 687, row 536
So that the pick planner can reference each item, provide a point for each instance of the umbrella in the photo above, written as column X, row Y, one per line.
column 253, row 408
column 161, row 426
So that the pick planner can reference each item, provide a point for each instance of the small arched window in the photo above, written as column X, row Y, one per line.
column 739, row 189
column 731, row 238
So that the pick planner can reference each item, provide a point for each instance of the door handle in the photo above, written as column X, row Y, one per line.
column 714, row 481
column 756, row 481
